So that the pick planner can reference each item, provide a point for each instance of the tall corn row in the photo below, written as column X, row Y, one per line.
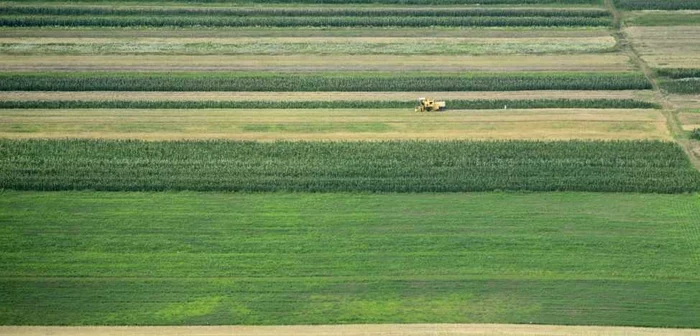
column 410, row 166
column 320, row 82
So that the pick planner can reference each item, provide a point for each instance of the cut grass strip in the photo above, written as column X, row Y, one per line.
column 331, row 81
column 304, row 46
column 480, row 104
column 357, row 124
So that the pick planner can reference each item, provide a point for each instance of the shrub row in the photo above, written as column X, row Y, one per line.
column 396, row 166
column 658, row 4
column 285, row 12
column 277, row 21
column 319, row 82
column 452, row 104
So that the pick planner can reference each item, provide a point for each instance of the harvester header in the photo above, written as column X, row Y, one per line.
column 429, row 105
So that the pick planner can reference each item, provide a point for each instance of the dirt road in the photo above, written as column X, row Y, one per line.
column 350, row 330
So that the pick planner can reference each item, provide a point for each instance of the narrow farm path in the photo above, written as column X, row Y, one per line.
column 353, row 330
column 670, row 110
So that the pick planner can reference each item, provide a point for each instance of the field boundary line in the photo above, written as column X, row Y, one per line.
column 351, row 330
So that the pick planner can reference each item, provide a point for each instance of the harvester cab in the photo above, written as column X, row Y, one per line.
column 429, row 105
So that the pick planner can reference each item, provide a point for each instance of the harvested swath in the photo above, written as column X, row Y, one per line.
column 247, row 12
column 302, row 32
column 658, row 4
column 410, row 166
column 660, row 51
column 301, row 21
column 323, row 62
column 300, row 46
column 479, row 104
column 320, row 82
column 356, row 124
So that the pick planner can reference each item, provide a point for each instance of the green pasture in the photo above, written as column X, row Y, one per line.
column 78, row 258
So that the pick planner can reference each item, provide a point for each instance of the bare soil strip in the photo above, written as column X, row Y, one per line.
column 352, row 330
column 315, row 96
column 336, row 124
column 607, row 62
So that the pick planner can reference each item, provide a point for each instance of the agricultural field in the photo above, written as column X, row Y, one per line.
column 349, row 258
column 347, row 120
column 259, row 166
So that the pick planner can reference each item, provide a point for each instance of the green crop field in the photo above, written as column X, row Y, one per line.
column 255, row 162
column 208, row 258
column 413, row 166
column 37, row 16
column 331, row 81
column 658, row 4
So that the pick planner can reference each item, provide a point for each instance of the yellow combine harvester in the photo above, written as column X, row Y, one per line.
column 429, row 105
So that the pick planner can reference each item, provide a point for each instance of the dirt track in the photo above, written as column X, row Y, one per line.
column 351, row 330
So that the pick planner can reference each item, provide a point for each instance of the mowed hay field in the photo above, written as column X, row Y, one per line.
column 335, row 124
column 259, row 166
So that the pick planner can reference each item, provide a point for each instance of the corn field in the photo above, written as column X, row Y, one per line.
column 479, row 104
column 386, row 2
column 408, row 166
column 320, row 82
column 301, row 12
column 300, row 21
column 658, row 4
column 678, row 73
column 684, row 85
